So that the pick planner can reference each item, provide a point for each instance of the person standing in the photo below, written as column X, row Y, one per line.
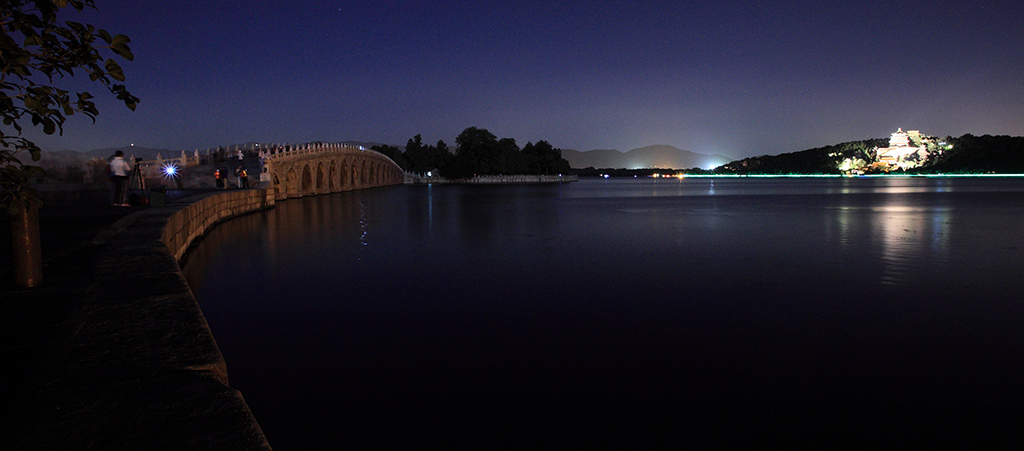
column 243, row 176
column 119, row 171
column 217, row 179
column 224, row 178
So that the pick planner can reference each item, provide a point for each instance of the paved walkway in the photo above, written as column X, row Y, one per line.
column 30, row 319
column 72, row 378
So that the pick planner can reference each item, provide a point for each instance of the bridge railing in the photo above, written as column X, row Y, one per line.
column 311, row 148
column 266, row 152
column 274, row 151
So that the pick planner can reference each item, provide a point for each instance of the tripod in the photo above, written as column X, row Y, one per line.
column 135, row 175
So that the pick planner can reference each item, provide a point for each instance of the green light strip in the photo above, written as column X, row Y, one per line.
column 736, row 176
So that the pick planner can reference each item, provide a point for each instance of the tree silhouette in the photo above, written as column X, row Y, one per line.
column 36, row 51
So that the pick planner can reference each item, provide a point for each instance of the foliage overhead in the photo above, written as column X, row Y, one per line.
column 37, row 53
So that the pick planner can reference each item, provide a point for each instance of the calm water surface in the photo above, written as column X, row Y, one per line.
column 627, row 313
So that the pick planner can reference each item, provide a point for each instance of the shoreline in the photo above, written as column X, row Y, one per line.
column 497, row 180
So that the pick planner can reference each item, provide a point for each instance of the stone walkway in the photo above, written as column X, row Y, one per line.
column 111, row 351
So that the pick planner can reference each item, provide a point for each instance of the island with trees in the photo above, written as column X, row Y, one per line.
column 478, row 153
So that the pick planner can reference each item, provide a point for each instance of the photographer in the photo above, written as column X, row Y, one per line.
column 119, row 170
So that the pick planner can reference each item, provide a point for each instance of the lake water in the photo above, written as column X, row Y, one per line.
column 627, row 313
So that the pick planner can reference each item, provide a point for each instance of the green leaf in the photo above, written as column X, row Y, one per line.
column 123, row 52
column 114, row 70
column 32, row 102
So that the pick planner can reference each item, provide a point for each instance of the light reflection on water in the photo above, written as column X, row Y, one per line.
column 707, row 309
column 905, row 234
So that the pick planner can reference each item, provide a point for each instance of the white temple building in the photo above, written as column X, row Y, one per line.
column 906, row 149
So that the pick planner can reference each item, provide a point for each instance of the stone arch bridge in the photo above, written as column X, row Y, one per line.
column 321, row 168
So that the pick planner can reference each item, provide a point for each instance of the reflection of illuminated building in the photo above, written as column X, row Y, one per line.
column 907, row 234
column 906, row 150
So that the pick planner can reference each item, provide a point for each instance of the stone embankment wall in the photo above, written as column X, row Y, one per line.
column 192, row 222
column 499, row 179
column 141, row 369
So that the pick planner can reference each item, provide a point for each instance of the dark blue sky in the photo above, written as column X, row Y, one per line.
column 736, row 78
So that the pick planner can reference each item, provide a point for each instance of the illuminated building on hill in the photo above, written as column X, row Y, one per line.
column 907, row 149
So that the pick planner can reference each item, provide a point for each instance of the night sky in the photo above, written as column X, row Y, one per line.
column 735, row 78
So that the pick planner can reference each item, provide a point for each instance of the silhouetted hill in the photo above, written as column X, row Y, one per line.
column 61, row 158
column 658, row 156
column 599, row 158
column 56, row 158
column 820, row 160
column 145, row 153
column 979, row 154
column 968, row 154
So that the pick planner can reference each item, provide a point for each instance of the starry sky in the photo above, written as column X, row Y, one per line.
column 734, row 78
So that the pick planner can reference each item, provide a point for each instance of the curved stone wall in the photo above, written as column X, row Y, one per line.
column 138, row 367
column 192, row 221
column 139, row 330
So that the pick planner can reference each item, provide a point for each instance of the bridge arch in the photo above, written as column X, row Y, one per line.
column 313, row 169
column 307, row 181
column 291, row 184
column 321, row 179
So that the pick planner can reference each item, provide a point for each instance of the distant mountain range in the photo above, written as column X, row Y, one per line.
column 59, row 157
column 968, row 154
column 145, row 153
column 660, row 156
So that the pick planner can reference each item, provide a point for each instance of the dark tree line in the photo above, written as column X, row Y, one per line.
column 418, row 158
column 478, row 152
column 979, row 154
